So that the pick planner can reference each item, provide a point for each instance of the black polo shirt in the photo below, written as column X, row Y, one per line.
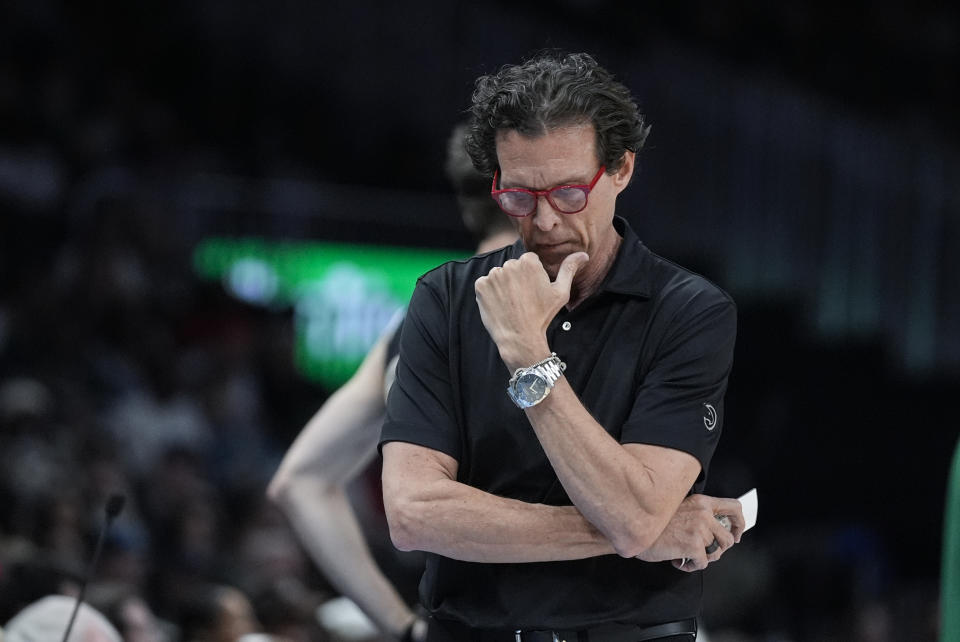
column 648, row 355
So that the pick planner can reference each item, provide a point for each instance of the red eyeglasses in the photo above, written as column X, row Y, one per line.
column 520, row 202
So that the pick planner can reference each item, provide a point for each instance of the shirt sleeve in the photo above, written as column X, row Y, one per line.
column 680, row 400
column 420, row 406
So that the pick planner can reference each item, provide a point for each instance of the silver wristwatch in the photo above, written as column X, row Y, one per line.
column 530, row 386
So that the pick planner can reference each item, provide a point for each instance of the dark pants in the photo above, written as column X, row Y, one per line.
column 448, row 631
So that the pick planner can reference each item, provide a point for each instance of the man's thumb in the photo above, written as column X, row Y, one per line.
column 569, row 268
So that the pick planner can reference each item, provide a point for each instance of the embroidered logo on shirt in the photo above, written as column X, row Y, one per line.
column 710, row 418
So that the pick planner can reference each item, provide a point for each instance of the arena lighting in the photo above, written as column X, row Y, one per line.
column 342, row 295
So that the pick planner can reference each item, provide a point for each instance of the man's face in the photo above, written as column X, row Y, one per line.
column 563, row 156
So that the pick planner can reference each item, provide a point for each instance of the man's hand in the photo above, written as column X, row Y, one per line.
column 693, row 528
column 517, row 302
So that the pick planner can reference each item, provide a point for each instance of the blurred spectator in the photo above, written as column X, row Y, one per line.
column 130, row 614
column 149, row 421
column 29, row 462
column 136, row 622
column 47, row 619
column 27, row 575
column 287, row 608
column 216, row 613
column 188, row 517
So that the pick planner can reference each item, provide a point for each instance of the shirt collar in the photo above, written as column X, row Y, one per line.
column 630, row 272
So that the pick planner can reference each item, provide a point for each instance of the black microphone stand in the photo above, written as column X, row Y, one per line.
column 113, row 508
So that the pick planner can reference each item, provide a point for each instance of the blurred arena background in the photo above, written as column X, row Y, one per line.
column 805, row 156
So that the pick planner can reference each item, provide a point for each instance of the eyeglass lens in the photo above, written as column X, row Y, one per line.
column 565, row 199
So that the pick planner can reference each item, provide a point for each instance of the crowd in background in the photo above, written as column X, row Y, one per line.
column 122, row 374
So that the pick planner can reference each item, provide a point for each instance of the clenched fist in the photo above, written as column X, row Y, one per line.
column 693, row 528
column 517, row 302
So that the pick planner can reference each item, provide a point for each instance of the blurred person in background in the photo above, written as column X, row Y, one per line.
column 272, row 567
column 339, row 442
column 36, row 470
column 130, row 614
column 136, row 621
column 46, row 620
column 215, row 613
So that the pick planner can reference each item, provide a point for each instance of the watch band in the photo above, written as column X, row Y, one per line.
column 551, row 367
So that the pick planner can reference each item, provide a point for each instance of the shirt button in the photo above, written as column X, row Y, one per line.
column 566, row 325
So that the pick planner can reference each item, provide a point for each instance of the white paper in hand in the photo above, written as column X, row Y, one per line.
column 749, row 503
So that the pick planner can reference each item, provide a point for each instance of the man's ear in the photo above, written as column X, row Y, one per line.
column 621, row 178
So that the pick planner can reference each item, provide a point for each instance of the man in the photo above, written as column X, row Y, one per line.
column 340, row 439
column 553, row 501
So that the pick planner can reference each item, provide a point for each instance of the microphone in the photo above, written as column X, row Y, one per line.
column 113, row 508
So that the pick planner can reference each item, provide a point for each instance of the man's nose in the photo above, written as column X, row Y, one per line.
column 545, row 217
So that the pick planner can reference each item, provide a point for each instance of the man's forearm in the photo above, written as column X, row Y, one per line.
column 628, row 498
column 428, row 510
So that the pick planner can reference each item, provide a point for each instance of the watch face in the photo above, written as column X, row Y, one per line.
column 531, row 386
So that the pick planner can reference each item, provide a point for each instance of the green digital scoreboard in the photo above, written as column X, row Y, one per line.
column 342, row 295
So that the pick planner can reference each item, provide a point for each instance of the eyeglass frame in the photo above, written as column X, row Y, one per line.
column 537, row 193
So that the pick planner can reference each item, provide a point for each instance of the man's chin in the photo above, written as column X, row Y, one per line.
column 552, row 265
column 552, row 271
